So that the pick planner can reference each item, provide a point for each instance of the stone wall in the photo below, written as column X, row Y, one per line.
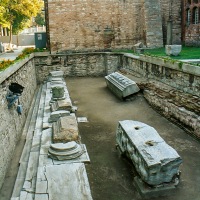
column 175, row 10
column 11, row 124
column 182, row 76
column 103, row 24
column 78, row 64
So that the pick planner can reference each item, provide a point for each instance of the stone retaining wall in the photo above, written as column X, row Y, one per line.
column 11, row 124
column 79, row 64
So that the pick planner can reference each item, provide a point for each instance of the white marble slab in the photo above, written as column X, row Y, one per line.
column 68, row 181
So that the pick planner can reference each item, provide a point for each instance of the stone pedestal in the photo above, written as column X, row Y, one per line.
column 67, row 151
column 120, row 85
column 173, row 50
column 65, row 130
column 58, row 92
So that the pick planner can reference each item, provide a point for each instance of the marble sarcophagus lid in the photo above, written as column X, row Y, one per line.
column 155, row 161
column 120, row 85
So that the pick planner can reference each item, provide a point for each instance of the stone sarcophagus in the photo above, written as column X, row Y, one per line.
column 155, row 161
column 120, row 85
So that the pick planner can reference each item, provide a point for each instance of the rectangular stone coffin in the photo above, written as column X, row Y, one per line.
column 65, row 130
column 120, row 85
column 155, row 161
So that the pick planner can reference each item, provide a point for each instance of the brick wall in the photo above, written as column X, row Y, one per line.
column 103, row 24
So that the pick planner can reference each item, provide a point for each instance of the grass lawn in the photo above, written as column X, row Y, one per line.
column 186, row 53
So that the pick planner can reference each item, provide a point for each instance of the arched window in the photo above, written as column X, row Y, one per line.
column 195, row 15
column 188, row 17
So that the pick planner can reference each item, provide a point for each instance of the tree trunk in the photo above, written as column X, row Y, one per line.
column 10, row 42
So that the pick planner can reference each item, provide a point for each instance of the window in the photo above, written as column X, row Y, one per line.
column 195, row 17
column 188, row 16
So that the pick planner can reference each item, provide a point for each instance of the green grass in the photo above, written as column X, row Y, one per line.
column 186, row 53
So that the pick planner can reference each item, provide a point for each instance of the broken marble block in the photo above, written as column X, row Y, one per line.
column 58, row 91
column 155, row 161
column 64, row 104
column 120, row 85
column 66, row 151
column 57, row 114
column 65, row 129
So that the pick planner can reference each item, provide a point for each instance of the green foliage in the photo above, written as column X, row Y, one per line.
column 5, row 64
column 17, row 13
column 40, row 19
column 27, row 51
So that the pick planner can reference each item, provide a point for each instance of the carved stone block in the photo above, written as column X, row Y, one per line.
column 64, row 104
column 120, row 85
column 57, row 114
column 58, row 91
column 67, row 151
column 155, row 161
column 65, row 130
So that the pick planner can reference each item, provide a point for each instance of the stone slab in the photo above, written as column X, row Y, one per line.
column 41, row 187
column 82, row 119
column 25, row 153
column 56, row 73
column 151, row 192
column 68, row 180
column 18, row 187
column 65, row 130
column 57, row 114
column 41, row 197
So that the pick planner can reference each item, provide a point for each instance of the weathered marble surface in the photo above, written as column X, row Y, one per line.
column 68, row 181
column 64, row 104
column 65, row 130
column 58, row 91
column 65, row 151
column 155, row 161
column 173, row 50
column 120, row 85
column 57, row 114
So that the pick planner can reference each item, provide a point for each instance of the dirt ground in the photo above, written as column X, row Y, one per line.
column 111, row 176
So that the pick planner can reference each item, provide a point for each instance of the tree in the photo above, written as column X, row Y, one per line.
column 40, row 19
column 17, row 13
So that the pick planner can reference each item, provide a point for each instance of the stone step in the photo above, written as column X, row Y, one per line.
column 26, row 178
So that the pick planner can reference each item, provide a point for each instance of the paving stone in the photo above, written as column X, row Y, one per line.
column 64, row 104
column 41, row 187
column 68, row 180
column 25, row 153
column 41, row 197
column 41, row 173
column 44, row 160
column 17, row 188
column 35, row 144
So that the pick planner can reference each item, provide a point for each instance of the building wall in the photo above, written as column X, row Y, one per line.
column 191, row 27
column 103, row 24
column 11, row 124
column 172, row 7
